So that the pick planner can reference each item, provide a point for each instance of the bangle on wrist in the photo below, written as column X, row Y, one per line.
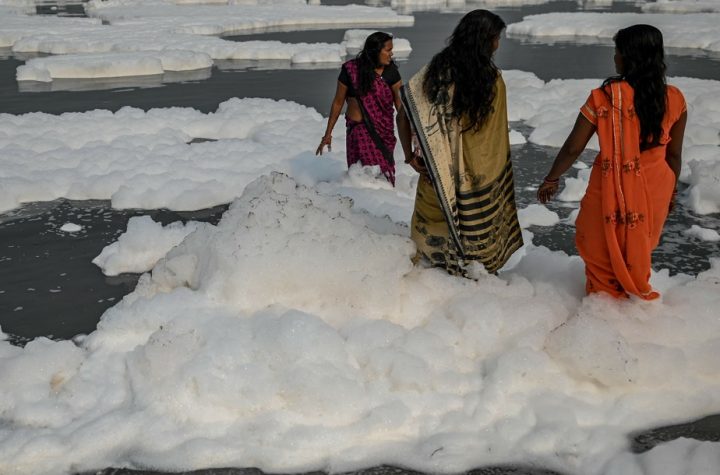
column 551, row 182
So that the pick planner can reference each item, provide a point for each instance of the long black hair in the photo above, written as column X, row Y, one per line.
column 368, row 59
column 643, row 66
column 467, row 63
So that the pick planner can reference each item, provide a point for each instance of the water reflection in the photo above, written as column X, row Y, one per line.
column 464, row 6
column 100, row 84
column 27, row 55
column 271, row 64
column 573, row 41
column 242, row 35
column 279, row 64
column 59, row 8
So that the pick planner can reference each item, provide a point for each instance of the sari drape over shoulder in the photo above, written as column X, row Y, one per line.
column 466, row 210
column 627, row 200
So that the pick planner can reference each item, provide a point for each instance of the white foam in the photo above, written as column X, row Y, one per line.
column 296, row 335
column 694, row 31
column 102, row 65
column 143, row 159
column 703, row 196
column 143, row 244
column 704, row 234
column 14, row 27
column 149, row 38
column 574, row 187
column 355, row 39
column 572, row 217
column 681, row 6
column 517, row 138
column 70, row 228
column 454, row 6
column 147, row 160
column 537, row 215
column 117, row 156
column 13, row 7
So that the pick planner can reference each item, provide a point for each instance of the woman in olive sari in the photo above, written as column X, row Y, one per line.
column 456, row 107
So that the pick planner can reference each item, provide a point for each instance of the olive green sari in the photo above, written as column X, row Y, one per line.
column 465, row 209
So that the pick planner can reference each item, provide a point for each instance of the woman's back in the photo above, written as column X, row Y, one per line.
column 600, row 103
column 675, row 107
column 483, row 144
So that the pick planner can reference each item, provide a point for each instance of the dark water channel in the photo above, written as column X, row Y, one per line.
column 49, row 287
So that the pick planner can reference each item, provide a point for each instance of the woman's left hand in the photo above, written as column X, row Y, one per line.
column 418, row 164
column 325, row 141
column 547, row 190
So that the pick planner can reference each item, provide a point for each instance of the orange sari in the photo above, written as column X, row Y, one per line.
column 628, row 197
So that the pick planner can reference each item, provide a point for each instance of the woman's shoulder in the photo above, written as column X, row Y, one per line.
column 674, row 92
column 500, row 82
column 601, row 93
column 676, row 100
column 391, row 74
column 607, row 85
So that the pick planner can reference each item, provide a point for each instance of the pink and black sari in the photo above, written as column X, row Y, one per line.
column 364, row 145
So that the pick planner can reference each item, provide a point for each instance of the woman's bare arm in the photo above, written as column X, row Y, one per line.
column 335, row 110
column 569, row 152
column 673, row 152
column 403, row 124
column 405, row 133
column 396, row 95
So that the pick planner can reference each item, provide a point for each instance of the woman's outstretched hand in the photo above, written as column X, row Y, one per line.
column 416, row 160
column 417, row 163
column 547, row 190
column 326, row 140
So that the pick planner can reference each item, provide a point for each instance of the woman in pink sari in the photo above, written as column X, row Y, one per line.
column 370, row 86
column 640, row 123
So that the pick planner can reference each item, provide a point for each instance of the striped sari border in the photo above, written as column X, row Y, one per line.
column 410, row 107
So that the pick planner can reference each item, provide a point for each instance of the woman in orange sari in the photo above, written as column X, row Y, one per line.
column 640, row 122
